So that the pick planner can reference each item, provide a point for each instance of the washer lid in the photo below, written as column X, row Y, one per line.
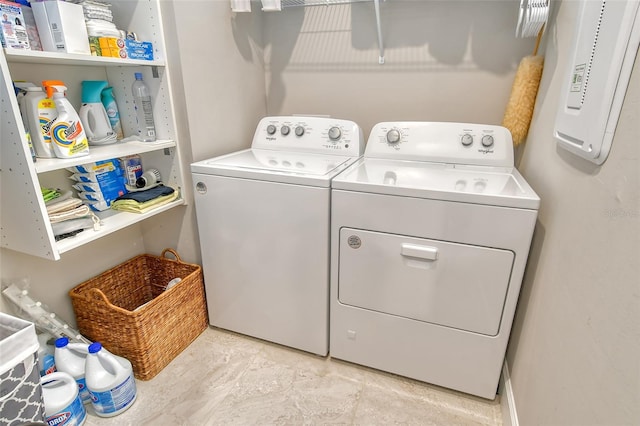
column 496, row 186
column 276, row 166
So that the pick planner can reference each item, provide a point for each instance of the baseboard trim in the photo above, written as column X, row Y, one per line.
column 507, row 400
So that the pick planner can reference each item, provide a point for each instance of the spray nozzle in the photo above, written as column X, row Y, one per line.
column 51, row 86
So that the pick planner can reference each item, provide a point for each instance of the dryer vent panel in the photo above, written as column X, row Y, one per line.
column 602, row 55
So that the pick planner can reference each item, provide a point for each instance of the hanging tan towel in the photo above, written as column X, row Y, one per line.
column 517, row 116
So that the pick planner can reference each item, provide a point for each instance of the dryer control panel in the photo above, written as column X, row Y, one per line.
column 442, row 142
column 309, row 134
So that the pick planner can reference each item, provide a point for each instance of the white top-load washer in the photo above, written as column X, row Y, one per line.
column 430, row 236
column 263, row 220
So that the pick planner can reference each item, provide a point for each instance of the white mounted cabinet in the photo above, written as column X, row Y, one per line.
column 25, row 226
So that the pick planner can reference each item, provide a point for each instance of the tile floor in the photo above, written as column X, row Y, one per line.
column 224, row 378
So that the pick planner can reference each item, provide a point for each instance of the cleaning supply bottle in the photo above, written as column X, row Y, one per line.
column 39, row 112
column 144, row 109
column 110, row 105
column 70, row 358
column 94, row 115
column 62, row 404
column 67, row 135
column 46, row 360
column 110, row 381
column 20, row 93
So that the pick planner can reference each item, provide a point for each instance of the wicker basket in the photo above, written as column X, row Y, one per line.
column 153, row 335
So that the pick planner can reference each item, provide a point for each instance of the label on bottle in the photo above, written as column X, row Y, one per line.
column 47, row 113
column 85, row 395
column 132, row 169
column 144, row 115
column 47, row 365
column 72, row 415
column 114, row 119
column 116, row 399
column 69, row 136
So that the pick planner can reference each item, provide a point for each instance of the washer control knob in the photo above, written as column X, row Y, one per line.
column 393, row 136
column 466, row 139
column 271, row 129
column 335, row 133
column 285, row 130
column 299, row 130
column 487, row 141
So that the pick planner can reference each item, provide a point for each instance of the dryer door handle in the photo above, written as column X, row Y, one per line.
column 421, row 252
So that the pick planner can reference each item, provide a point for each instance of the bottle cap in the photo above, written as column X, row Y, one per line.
column 51, row 86
column 95, row 347
column 138, row 76
column 61, row 342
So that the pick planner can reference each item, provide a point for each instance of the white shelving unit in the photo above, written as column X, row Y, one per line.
column 24, row 222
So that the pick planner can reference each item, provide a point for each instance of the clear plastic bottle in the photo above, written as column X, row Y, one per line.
column 144, row 109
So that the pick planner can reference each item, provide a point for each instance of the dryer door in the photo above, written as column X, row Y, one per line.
column 455, row 285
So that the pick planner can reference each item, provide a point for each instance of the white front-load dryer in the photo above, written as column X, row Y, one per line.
column 263, row 221
column 430, row 237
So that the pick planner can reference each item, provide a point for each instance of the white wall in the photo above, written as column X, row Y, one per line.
column 445, row 61
column 217, row 70
column 575, row 349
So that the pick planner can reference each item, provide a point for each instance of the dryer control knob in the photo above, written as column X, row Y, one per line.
column 393, row 136
column 487, row 141
column 335, row 133
column 271, row 129
column 285, row 130
column 299, row 130
column 466, row 139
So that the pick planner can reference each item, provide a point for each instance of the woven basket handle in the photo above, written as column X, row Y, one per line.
column 97, row 295
column 173, row 252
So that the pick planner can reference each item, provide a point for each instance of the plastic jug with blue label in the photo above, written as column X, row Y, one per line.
column 71, row 358
column 110, row 381
column 62, row 404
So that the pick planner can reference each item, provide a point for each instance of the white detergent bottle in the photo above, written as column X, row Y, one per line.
column 67, row 135
column 39, row 112
column 110, row 381
column 71, row 358
column 62, row 404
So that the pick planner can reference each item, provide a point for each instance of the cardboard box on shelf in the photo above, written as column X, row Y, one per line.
column 61, row 27
column 125, row 48
column 139, row 49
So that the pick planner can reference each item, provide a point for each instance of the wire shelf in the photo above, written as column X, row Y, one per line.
column 293, row 3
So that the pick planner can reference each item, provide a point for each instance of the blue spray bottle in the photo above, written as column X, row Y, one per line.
column 110, row 105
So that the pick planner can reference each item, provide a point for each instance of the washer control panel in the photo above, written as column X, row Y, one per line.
column 442, row 142
column 309, row 134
